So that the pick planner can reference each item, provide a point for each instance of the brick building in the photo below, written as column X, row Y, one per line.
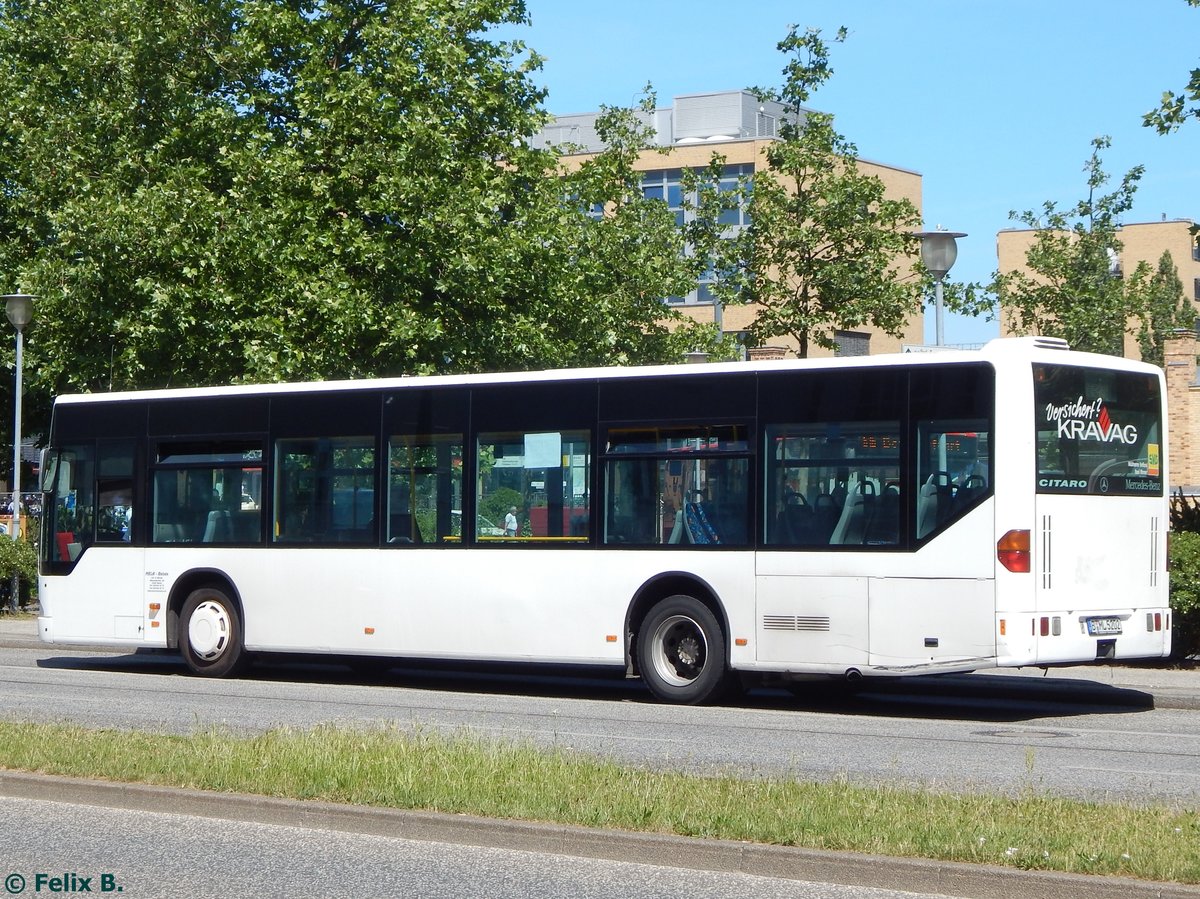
column 1141, row 242
column 1146, row 242
column 739, row 127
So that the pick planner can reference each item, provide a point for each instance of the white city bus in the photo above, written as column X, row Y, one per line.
column 690, row 525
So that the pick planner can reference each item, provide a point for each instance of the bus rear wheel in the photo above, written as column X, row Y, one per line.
column 210, row 637
column 681, row 652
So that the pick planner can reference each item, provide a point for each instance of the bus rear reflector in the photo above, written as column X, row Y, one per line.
column 1013, row 551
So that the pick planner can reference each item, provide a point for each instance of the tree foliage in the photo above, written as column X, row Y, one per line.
column 1166, row 307
column 626, row 253
column 1072, row 290
column 1173, row 109
column 1184, row 566
column 968, row 298
column 209, row 191
column 826, row 249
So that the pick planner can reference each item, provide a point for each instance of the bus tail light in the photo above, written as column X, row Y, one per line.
column 1047, row 626
column 1013, row 551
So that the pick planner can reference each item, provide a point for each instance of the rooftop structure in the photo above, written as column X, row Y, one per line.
column 692, row 119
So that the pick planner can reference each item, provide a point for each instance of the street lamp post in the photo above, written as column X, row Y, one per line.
column 19, row 309
column 938, row 252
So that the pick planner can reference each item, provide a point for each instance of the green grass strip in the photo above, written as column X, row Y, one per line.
column 391, row 768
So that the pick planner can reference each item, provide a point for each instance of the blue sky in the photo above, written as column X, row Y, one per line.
column 994, row 103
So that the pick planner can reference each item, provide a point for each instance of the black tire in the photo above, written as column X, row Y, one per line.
column 210, row 634
column 681, row 652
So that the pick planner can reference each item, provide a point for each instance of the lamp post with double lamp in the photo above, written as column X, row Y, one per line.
column 19, row 309
column 938, row 252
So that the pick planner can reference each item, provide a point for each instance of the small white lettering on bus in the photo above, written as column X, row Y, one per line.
column 1069, row 483
column 1079, row 409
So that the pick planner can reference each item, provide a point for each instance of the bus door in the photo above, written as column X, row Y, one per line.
column 936, row 605
column 86, row 529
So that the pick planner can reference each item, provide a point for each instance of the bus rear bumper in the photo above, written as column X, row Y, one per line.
column 1067, row 638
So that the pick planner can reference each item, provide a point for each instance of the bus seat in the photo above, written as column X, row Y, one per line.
column 700, row 529
column 851, row 525
column 794, row 524
column 826, row 513
column 972, row 487
column 677, row 531
column 63, row 540
column 246, row 526
column 883, row 527
column 932, row 502
column 217, row 529
column 402, row 528
column 169, row 532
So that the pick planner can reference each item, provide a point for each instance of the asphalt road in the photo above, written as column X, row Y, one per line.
column 1077, row 733
column 1014, row 736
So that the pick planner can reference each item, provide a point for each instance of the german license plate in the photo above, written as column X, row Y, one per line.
column 1103, row 627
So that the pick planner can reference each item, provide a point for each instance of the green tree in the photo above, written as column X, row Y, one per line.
column 612, row 255
column 1173, row 109
column 1184, row 566
column 1072, row 290
column 968, row 298
column 826, row 249
column 209, row 191
column 1166, row 307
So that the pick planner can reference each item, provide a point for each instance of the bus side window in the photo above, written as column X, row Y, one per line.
column 532, row 487
column 424, row 489
column 114, row 491
column 685, row 486
column 206, row 494
column 325, row 490
column 833, row 484
column 953, row 471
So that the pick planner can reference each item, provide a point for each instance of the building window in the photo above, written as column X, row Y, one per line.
column 1196, row 289
column 852, row 343
column 667, row 185
column 739, row 217
column 664, row 184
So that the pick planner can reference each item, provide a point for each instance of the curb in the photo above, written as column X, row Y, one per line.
column 784, row 862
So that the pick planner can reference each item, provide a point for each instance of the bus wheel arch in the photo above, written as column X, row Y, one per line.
column 205, row 623
column 677, row 640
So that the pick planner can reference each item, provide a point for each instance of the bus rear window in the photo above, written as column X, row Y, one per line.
column 1098, row 431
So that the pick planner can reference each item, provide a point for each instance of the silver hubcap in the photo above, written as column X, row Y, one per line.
column 680, row 650
column 209, row 630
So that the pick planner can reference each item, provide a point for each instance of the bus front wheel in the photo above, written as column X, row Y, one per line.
column 681, row 652
column 210, row 639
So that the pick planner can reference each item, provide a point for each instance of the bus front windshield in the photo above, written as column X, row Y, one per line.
column 1098, row 431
